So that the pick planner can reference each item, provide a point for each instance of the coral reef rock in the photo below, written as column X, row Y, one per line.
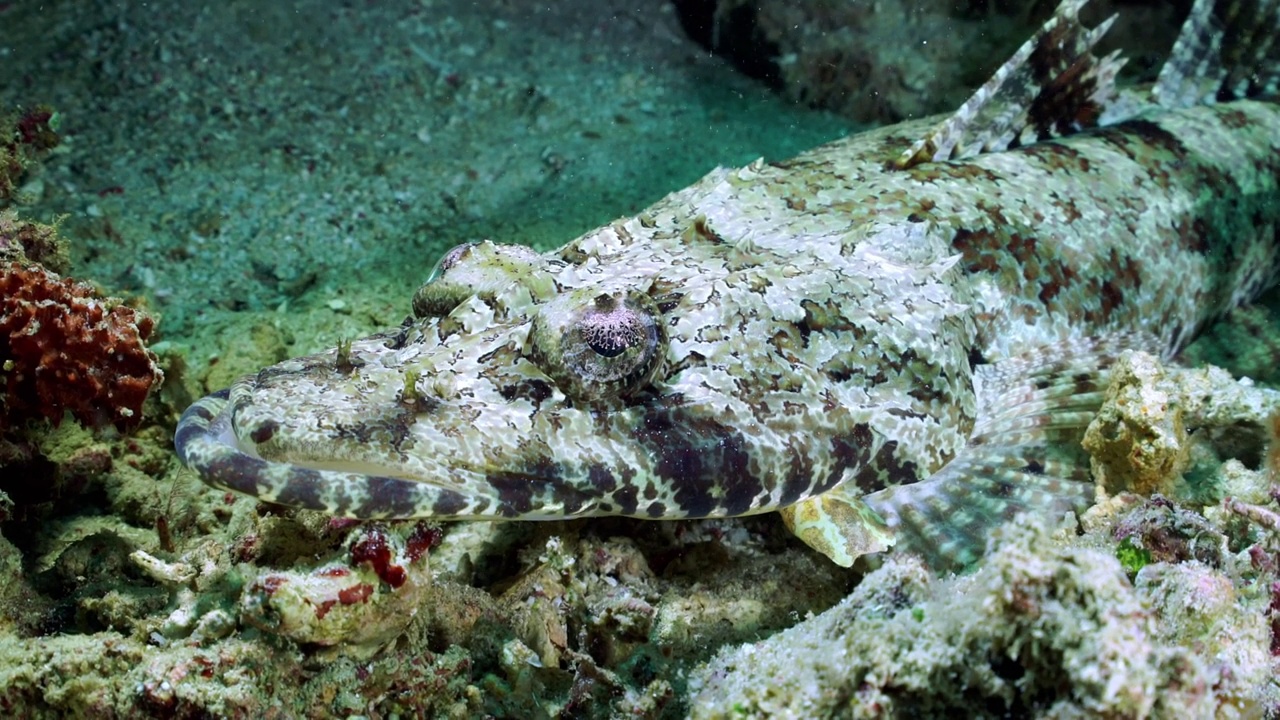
column 1059, row 628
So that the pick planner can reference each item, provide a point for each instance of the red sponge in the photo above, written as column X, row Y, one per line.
column 63, row 349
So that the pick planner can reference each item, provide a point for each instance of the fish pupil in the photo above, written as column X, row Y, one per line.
column 611, row 328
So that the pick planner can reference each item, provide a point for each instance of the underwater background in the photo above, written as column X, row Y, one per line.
column 255, row 181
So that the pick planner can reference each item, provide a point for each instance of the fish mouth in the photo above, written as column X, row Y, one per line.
column 382, row 471
column 375, row 457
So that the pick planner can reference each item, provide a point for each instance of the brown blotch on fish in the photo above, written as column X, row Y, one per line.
column 1152, row 147
column 934, row 173
column 981, row 250
column 1234, row 119
column 1058, row 157
column 851, row 450
column 700, row 458
column 1060, row 277
column 699, row 229
column 392, row 425
column 626, row 499
column 1070, row 212
column 1193, row 235
column 302, row 490
column 542, row 480
column 888, row 470
column 601, row 479
column 799, row 478
column 264, row 431
column 532, row 389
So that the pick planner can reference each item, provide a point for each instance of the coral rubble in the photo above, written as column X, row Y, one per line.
column 1046, row 628
column 360, row 604
column 24, row 137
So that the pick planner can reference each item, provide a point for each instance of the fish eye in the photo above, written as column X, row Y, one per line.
column 484, row 269
column 599, row 345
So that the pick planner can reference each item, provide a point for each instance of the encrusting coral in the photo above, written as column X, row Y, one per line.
column 24, row 137
column 26, row 242
column 64, row 349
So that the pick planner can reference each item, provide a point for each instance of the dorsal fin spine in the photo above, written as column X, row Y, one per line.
column 1052, row 85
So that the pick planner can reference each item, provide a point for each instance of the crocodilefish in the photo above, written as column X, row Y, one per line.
column 894, row 340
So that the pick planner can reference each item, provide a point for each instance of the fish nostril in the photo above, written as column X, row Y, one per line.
column 442, row 385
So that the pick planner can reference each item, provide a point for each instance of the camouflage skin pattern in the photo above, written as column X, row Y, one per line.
column 896, row 338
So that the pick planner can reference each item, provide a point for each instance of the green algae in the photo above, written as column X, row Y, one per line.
column 1132, row 557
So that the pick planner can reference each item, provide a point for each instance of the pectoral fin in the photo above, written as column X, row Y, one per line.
column 838, row 525
column 1023, row 455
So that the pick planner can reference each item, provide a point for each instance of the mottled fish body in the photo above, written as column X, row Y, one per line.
column 895, row 338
